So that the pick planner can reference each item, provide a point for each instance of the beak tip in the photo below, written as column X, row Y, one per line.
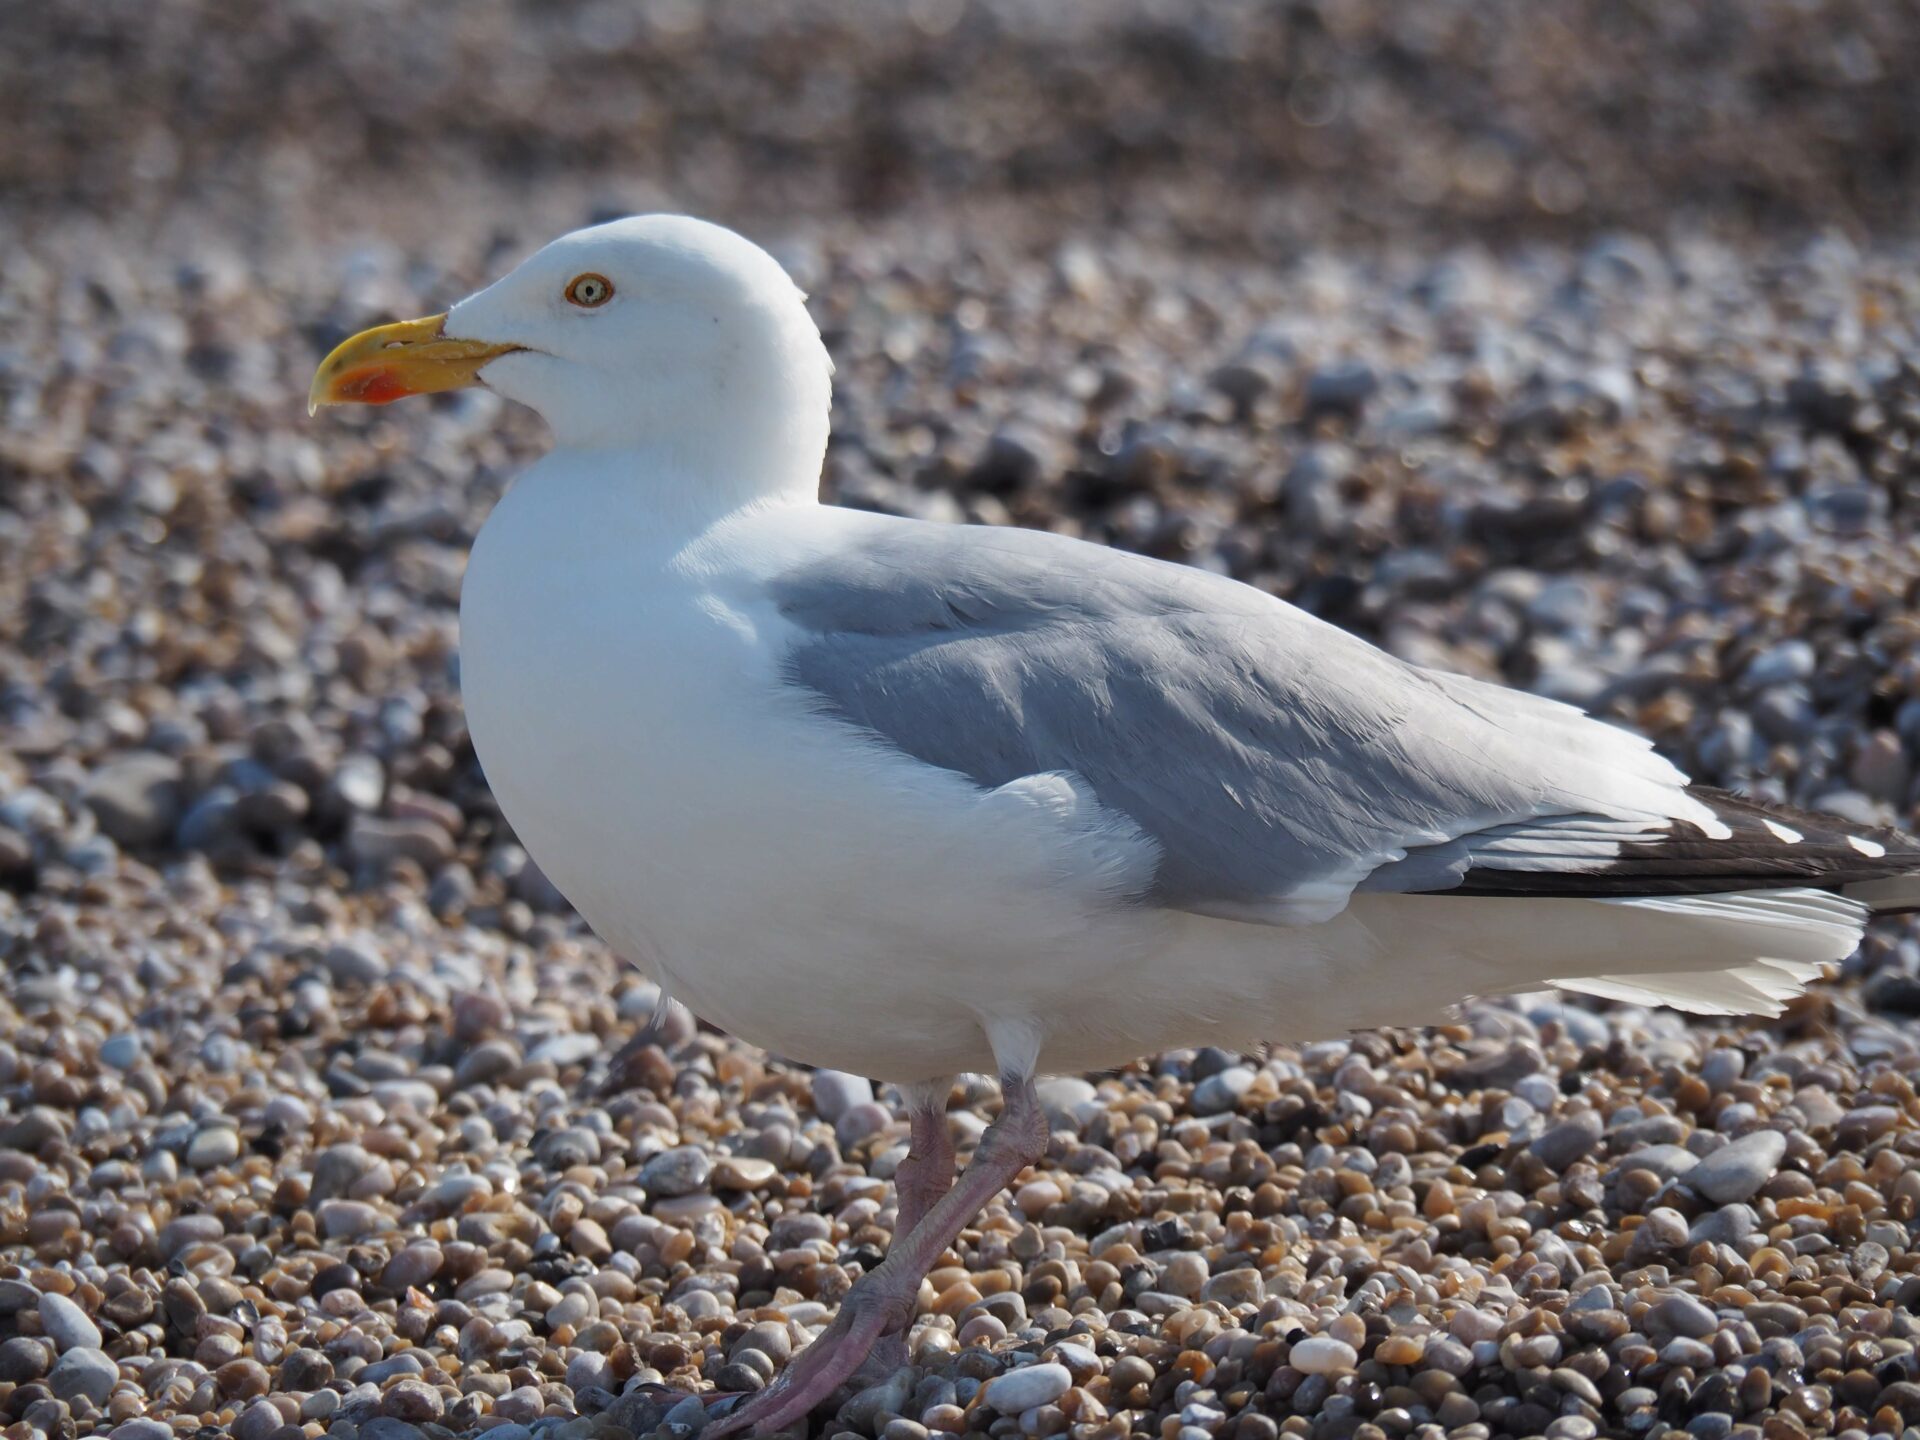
column 389, row 362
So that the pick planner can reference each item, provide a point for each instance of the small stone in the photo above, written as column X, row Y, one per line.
column 492, row 1280
column 565, row 1049
column 83, row 1371
column 1219, row 1093
column 1036, row 1197
column 24, row 1358
column 487, row 1062
column 258, row 1421
column 1241, row 1286
column 185, row 1230
column 337, row 1169
column 835, row 1092
column 1401, row 1350
column 682, row 1170
column 412, row 1400
column 858, row 1122
column 1683, row 1315
column 329, row 1278
column 1062, row 1095
column 588, row 1240
column 590, row 1370
column 1322, row 1355
column 67, row 1325
column 1663, row 1229
column 358, row 782
column 352, row 962
column 1728, row 1225
column 305, row 1369
column 137, row 798
column 1736, row 1171
column 214, row 1146
column 1184, row 1274
column 412, row 1266
column 1665, row 1161
column 742, row 1172
column 242, row 1379
column 1340, row 389
column 524, row 1405
column 377, row 840
column 123, row 1051
column 576, row 1145
column 1028, row 1388
column 350, row 1219
column 1570, row 1141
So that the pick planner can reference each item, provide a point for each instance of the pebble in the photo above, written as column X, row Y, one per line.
column 835, row 1093
column 83, row 1371
column 66, row 1324
column 1028, row 1388
column 1322, row 1355
column 24, row 1358
column 137, row 798
column 122, row 1052
column 1736, row 1171
column 572, row 1146
column 741, row 1172
column 1219, row 1093
column 683, row 1170
column 412, row 1400
column 1570, row 1141
column 216, row 1145
column 1683, row 1315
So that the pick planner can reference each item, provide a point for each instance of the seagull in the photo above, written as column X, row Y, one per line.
column 915, row 800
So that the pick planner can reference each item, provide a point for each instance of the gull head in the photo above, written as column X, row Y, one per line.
column 658, row 333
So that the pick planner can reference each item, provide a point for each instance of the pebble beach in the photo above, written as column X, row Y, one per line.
column 322, row 1115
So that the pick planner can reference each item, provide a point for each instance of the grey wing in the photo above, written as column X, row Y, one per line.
column 1278, row 763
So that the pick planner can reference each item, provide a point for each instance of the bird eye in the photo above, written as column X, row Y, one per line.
column 589, row 291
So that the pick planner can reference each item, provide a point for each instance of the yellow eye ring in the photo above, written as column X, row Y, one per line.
column 589, row 291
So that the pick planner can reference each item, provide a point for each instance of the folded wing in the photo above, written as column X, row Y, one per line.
column 1279, row 763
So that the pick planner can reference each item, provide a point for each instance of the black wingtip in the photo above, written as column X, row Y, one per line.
column 1765, row 847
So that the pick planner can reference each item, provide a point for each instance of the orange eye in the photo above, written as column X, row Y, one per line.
column 589, row 291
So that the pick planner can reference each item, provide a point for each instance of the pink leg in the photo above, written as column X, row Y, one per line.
column 883, row 1300
column 923, row 1177
column 927, row 1172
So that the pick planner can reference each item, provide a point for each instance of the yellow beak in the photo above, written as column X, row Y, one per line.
column 389, row 362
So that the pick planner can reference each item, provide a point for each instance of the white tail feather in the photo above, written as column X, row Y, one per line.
column 1751, row 953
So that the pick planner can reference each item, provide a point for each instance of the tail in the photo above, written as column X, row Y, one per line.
column 1756, row 913
column 1784, row 939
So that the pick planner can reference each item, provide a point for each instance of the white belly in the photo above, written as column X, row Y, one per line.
column 788, row 879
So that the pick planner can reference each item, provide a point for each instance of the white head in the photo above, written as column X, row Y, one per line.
column 657, row 334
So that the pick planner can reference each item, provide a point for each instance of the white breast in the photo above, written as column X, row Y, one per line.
column 790, row 880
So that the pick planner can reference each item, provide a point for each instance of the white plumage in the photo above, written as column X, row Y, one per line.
column 715, row 712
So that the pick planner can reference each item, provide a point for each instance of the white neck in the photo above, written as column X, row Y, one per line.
column 672, row 492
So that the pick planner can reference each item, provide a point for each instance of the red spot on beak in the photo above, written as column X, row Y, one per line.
column 375, row 386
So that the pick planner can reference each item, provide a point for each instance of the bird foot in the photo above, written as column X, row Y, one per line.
column 642, row 1409
column 884, row 1361
column 880, row 1302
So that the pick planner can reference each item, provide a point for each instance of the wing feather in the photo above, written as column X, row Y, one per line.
column 1278, row 762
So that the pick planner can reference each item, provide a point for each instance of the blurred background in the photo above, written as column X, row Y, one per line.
column 1573, row 343
column 1237, row 123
